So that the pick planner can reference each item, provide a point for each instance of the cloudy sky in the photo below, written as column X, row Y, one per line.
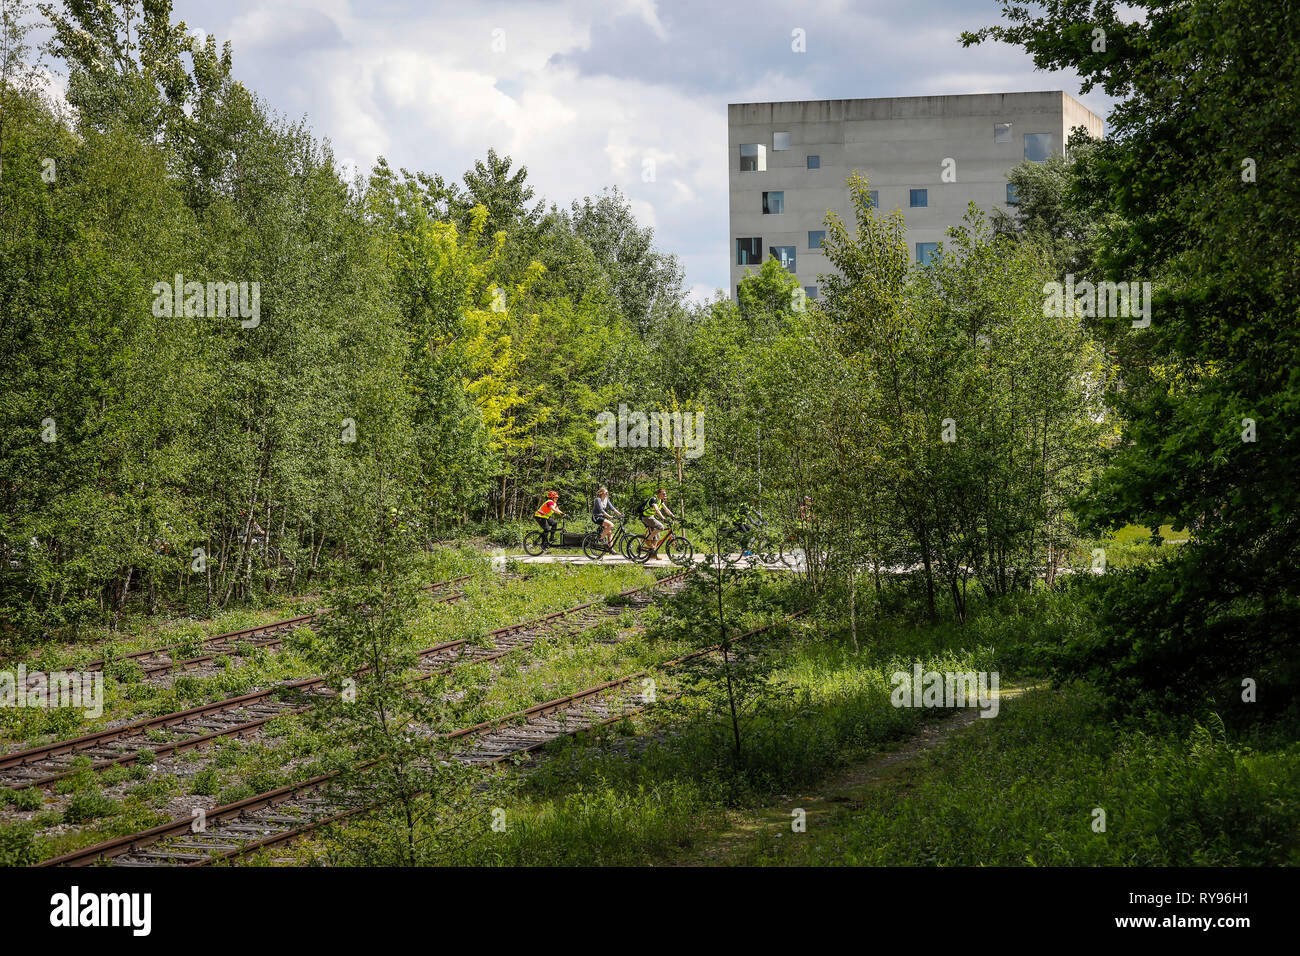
column 584, row 91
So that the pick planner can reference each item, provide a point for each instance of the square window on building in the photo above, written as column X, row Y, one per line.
column 1012, row 198
column 926, row 251
column 780, row 140
column 919, row 197
column 785, row 254
column 815, row 238
column 1038, row 146
column 773, row 203
column 749, row 252
column 1001, row 132
column 875, row 198
column 814, row 162
column 753, row 158
column 810, row 291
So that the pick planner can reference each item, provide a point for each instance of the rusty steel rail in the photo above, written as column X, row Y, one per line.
column 262, row 705
column 566, row 704
column 87, row 741
column 213, row 847
column 275, row 631
column 223, row 643
column 120, row 846
column 574, row 723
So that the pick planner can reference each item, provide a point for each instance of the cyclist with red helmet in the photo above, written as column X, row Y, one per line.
column 545, row 513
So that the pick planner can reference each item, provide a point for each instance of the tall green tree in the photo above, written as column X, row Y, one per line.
column 1200, row 169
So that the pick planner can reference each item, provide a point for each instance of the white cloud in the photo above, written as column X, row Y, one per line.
column 701, row 293
column 648, row 12
column 585, row 90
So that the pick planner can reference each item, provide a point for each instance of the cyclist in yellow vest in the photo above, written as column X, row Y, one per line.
column 544, row 514
column 652, row 511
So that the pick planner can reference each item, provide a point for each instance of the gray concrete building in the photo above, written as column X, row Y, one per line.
column 926, row 155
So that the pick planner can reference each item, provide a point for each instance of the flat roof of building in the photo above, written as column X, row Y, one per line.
column 896, row 107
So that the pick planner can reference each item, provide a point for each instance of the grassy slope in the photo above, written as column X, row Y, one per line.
column 1018, row 789
column 79, row 813
column 1024, row 789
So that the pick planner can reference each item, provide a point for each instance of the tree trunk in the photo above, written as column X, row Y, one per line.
column 853, row 607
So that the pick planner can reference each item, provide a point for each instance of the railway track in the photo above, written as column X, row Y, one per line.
column 280, row 816
column 161, row 660
column 247, row 714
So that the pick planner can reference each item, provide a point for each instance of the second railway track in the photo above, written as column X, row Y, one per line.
column 162, row 660
column 277, row 817
column 247, row 714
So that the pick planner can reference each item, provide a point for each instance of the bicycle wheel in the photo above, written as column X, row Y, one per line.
column 729, row 557
column 534, row 543
column 680, row 552
column 592, row 547
column 636, row 550
column 629, row 543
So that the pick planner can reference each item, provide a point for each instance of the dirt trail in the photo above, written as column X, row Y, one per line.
column 820, row 801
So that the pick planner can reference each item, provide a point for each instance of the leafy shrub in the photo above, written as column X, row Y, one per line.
column 1166, row 642
column 507, row 535
column 87, row 805
column 189, row 642
column 29, row 798
column 18, row 844
column 238, row 791
column 206, row 782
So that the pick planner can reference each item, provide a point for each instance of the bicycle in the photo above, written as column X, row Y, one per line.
column 537, row 542
column 761, row 542
column 676, row 548
column 595, row 549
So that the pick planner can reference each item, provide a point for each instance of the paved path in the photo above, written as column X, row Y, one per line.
column 562, row 557
column 796, row 562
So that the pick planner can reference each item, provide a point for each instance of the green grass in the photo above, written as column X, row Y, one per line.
column 491, row 601
column 1131, row 533
column 290, row 749
column 1129, row 546
column 1019, row 789
column 1025, row 788
column 587, row 805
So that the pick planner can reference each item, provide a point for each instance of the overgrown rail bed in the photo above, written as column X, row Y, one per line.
column 248, row 715
column 274, row 818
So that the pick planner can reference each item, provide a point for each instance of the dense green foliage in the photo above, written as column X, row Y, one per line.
column 941, row 418
column 422, row 354
column 1198, row 179
column 430, row 355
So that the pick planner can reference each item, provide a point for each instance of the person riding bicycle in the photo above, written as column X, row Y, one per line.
column 256, row 533
column 745, row 520
column 543, row 515
column 601, row 510
column 653, row 512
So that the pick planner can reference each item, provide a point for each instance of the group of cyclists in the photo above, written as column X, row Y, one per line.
column 655, row 515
